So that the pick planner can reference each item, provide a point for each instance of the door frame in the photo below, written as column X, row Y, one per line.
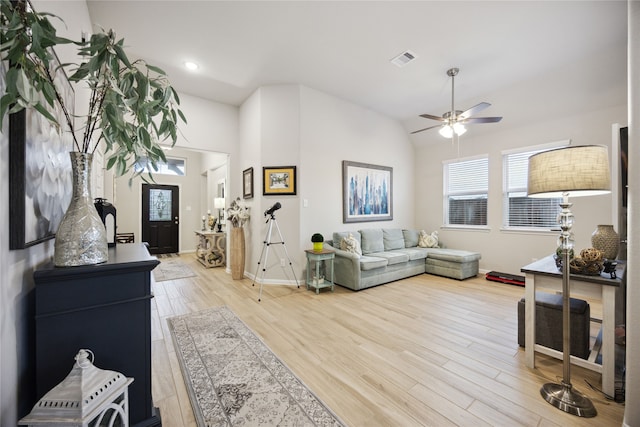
column 139, row 222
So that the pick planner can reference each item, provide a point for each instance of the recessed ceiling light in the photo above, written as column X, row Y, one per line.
column 191, row 65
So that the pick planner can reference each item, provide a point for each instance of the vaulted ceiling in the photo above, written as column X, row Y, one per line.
column 532, row 60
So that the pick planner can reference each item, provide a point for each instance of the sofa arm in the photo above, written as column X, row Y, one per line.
column 346, row 267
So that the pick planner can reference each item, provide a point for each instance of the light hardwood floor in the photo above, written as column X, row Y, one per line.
column 424, row 351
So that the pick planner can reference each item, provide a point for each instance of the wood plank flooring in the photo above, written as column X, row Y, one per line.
column 424, row 351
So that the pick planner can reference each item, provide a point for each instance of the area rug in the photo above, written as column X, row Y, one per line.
column 171, row 268
column 234, row 379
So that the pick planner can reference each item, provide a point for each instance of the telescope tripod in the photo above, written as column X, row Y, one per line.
column 265, row 251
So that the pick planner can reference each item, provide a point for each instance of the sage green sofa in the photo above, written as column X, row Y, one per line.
column 390, row 254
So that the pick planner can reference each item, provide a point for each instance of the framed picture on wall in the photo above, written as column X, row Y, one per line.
column 279, row 180
column 40, row 182
column 367, row 192
column 247, row 183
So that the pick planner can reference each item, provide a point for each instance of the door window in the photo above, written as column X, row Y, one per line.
column 159, row 205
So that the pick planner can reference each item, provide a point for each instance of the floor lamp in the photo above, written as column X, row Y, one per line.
column 570, row 171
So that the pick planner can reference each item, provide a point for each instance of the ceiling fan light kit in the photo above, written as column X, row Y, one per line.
column 448, row 130
column 453, row 121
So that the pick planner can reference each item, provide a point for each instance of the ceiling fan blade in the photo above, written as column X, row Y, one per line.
column 482, row 120
column 432, row 117
column 474, row 110
column 430, row 127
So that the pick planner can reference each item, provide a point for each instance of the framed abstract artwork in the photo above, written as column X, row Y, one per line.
column 40, row 183
column 367, row 192
column 280, row 180
column 247, row 183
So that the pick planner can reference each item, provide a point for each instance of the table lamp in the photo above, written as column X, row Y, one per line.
column 218, row 203
column 569, row 171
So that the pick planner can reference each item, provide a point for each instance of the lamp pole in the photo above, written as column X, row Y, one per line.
column 563, row 396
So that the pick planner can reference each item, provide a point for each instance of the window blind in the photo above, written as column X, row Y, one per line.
column 518, row 209
column 466, row 191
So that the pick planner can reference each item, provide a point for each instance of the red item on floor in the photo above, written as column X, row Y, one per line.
column 512, row 279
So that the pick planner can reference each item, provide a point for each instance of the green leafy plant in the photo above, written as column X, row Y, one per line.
column 132, row 105
column 317, row 238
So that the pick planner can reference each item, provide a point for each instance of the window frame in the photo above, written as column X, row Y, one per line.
column 446, row 192
column 145, row 168
column 506, row 190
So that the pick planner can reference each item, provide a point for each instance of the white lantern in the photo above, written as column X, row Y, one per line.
column 88, row 396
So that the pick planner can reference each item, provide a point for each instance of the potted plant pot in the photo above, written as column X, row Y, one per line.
column 317, row 241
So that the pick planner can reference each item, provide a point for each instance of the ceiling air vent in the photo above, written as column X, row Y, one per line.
column 404, row 58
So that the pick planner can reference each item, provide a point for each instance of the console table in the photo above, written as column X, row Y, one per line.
column 105, row 308
column 545, row 274
column 211, row 248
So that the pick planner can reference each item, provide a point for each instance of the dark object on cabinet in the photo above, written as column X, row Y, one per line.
column 107, row 214
column 105, row 308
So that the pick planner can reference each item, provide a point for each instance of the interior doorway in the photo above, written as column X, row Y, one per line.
column 160, row 220
column 197, row 193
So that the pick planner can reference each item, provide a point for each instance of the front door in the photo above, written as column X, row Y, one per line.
column 160, row 218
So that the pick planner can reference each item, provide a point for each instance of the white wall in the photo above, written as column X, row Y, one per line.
column 508, row 251
column 250, row 153
column 211, row 126
column 293, row 125
column 632, row 411
column 334, row 130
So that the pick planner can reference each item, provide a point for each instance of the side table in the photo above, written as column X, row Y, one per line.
column 211, row 248
column 317, row 257
column 543, row 274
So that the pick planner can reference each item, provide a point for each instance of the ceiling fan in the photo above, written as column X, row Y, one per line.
column 453, row 121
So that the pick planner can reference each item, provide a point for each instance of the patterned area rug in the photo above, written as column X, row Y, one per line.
column 234, row 379
column 170, row 268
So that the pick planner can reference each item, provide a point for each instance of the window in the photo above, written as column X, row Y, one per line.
column 466, row 184
column 173, row 166
column 520, row 211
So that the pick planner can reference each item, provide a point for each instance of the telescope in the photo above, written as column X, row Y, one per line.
column 272, row 209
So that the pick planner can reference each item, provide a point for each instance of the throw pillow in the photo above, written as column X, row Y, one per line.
column 350, row 244
column 426, row 240
column 410, row 238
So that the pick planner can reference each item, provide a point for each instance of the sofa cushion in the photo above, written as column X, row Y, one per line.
column 371, row 262
column 453, row 255
column 393, row 257
column 414, row 253
column 392, row 239
column 371, row 240
column 410, row 238
column 351, row 244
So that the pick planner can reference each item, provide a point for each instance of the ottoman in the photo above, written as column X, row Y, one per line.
column 549, row 323
column 452, row 263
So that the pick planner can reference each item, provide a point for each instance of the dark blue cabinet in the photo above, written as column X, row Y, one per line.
column 105, row 308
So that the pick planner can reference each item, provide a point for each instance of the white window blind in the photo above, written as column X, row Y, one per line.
column 466, row 184
column 520, row 211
